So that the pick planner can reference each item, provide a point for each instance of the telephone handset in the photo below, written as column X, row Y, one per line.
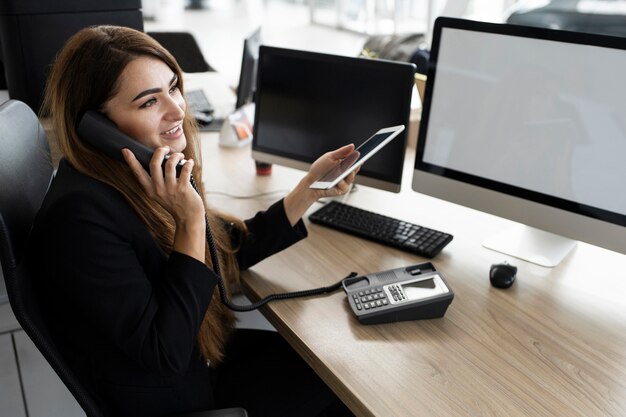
column 101, row 133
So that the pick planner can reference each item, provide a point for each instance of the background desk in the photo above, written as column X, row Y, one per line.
column 553, row 344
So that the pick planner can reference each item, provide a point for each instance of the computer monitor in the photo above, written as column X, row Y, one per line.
column 309, row 103
column 528, row 124
column 34, row 31
column 247, row 76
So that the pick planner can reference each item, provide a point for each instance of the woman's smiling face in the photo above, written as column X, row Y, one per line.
column 149, row 106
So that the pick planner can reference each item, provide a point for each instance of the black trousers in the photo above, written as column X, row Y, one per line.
column 264, row 375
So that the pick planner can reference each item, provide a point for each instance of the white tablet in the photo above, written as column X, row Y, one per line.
column 357, row 157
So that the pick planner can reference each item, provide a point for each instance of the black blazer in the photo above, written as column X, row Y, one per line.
column 124, row 314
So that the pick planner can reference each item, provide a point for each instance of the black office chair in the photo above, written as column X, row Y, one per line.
column 184, row 48
column 25, row 173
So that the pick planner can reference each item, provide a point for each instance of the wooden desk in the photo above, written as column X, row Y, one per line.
column 553, row 344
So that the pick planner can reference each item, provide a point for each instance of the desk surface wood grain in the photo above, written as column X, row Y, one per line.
column 553, row 344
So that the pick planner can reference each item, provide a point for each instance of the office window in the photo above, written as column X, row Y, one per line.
column 401, row 16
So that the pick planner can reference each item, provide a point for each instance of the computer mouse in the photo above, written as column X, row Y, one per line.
column 502, row 275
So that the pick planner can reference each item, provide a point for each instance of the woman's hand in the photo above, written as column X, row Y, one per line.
column 302, row 197
column 176, row 195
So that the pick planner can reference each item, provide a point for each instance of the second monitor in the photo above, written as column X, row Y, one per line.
column 247, row 75
column 308, row 103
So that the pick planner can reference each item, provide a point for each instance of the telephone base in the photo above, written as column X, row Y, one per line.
column 417, row 292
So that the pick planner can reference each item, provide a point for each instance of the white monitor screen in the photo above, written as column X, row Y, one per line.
column 532, row 113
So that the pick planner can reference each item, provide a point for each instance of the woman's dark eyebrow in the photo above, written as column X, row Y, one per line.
column 154, row 90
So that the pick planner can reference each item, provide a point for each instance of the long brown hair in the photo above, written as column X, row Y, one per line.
column 84, row 76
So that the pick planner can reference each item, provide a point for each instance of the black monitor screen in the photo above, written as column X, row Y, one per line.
column 247, row 76
column 309, row 103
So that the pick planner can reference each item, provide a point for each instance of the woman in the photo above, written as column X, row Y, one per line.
column 126, row 281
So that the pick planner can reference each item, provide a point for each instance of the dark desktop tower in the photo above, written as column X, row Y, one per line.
column 33, row 31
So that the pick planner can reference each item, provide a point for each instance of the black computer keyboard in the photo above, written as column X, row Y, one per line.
column 203, row 111
column 198, row 102
column 382, row 229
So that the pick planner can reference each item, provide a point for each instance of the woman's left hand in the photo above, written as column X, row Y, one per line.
column 324, row 164
column 302, row 197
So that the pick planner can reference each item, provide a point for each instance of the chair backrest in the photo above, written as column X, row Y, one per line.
column 184, row 48
column 25, row 174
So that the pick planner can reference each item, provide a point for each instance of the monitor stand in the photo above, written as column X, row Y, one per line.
column 532, row 245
